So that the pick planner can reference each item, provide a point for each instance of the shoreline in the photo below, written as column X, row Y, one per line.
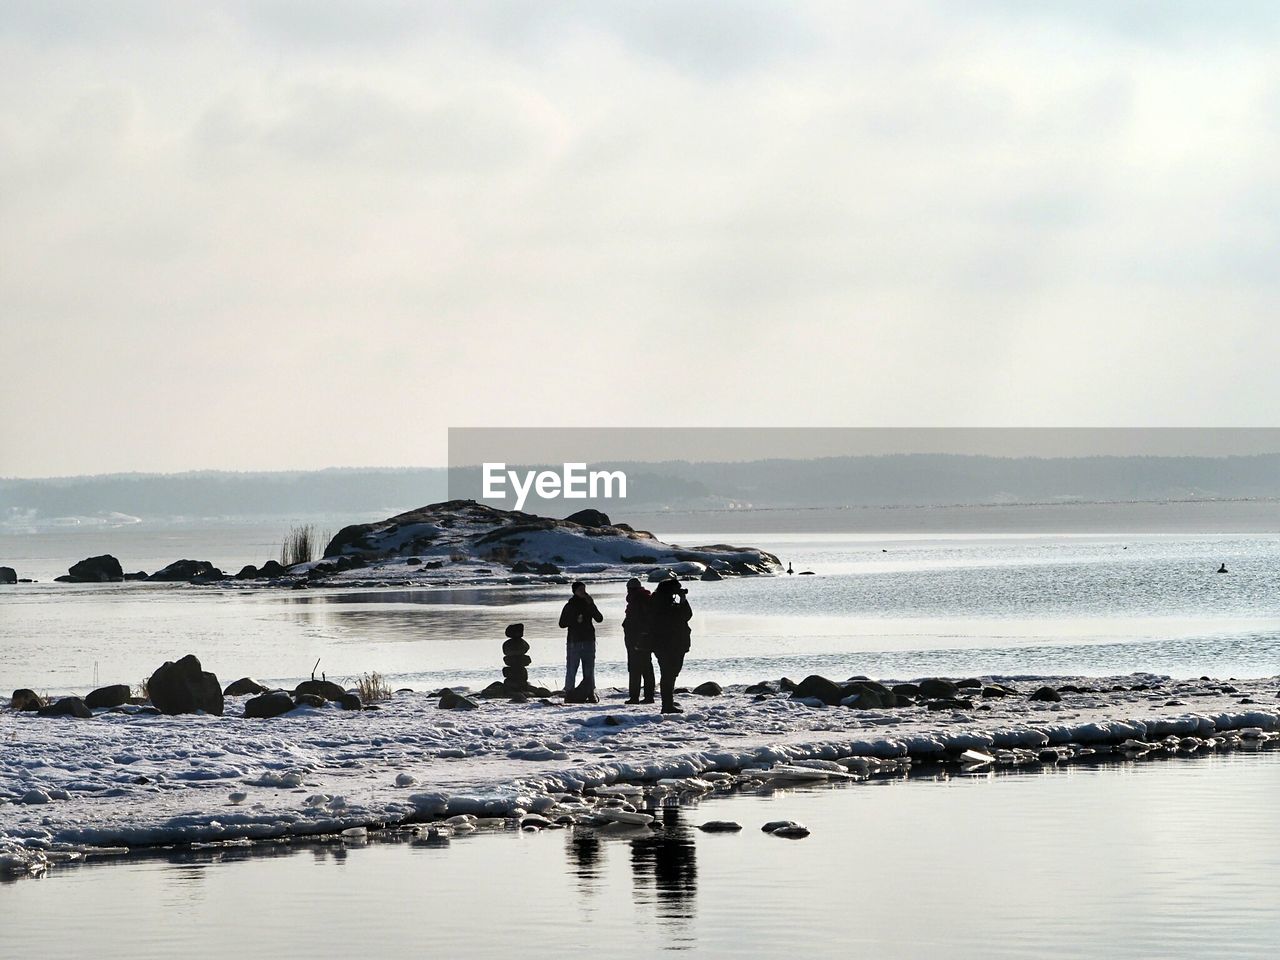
column 121, row 780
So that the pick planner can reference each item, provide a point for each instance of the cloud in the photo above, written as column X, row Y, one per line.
column 396, row 217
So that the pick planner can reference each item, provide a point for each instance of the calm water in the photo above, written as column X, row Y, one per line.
column 1174, row 858
column 888, row 606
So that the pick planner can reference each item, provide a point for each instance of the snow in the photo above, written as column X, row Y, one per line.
column 123, row 779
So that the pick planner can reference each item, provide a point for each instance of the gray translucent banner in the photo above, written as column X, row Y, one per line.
column 558, row 471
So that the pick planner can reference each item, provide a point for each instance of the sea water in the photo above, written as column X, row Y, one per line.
column 1174, row 858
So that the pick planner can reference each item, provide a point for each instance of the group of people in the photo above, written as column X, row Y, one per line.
column 655, row 625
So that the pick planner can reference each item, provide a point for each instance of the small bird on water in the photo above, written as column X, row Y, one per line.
column 1223, row 568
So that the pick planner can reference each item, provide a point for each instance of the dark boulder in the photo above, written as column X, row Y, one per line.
column 517, row 660
column 515, row 648
column 112, row 696
column 496, row 691
column 268, row 705
column 950, row 703
column 906, row 689
column 973, row 683
column 710, row 575
column 449, row 700
column 349, row 701
column 67, row 707
column 243, row 687
column 309, row 700
column 325, row 689
column 828, row 691
column 187, row 570
column 136, row 575
column 708, row 689
column 936, row 689
column 103, row 569
column 272, row 569
column 26, row 700
column 514, row 631
column 787, row 685
column 413, row 562
column 589, row 518
column 248, row 572
column 352, row 539
column 183, row 687
column 8, row 575
column 1046, row 695
column 757, row 688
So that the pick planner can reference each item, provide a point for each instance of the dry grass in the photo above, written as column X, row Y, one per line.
column 372, row 688
column 299, row 545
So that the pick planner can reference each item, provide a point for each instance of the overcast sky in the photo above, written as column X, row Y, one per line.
column 257, row 235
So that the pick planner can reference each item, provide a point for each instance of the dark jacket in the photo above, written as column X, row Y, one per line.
column 635, row 624
column 669, row 623
column 577, row 616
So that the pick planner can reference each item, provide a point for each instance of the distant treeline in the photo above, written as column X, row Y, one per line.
column 904, row 479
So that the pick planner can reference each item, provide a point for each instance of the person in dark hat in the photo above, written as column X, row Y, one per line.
column 669, row 634
column 580, row 616
column 635, row 634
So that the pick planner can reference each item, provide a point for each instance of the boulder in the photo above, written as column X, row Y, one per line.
column 248, row 572
column 515, row 648
column 711, row 575
column 1046, row 695
column 449, row 700
column 517, row 676
column 67, row 707
column 997, row 690
column 350, row 701
column 324, row 689
column 272, row 569
column 828, row 691
column 496, row 691
column 514, row 631
column 935, row 689
column 268, row 705
column 183, row 687
column 103, row 569
column 708, row 689
column 517, row 660
column 761, row 687
column 950, row 703
column 181, row 570
column 309, row 700
column 589, row 518
column 136, row 575
column 972, row 683
column 243, row 688
column 26, row 700
column 8, row 575
column 112, row 696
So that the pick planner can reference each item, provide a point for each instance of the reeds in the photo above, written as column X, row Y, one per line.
column 300, row 545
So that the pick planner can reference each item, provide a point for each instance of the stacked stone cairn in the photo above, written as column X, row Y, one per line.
column 515, row 656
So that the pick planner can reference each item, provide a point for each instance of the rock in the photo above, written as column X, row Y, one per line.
column 516, row 660
column 272, row 569
column 761, row 687
column 785, row 828
column 787, row 685
column 313, row 700
column 970, row 684
column 243, row 688
column 1046, row 695
column 708, row 689
column 514, row 631
column 136, row 575
column 8, row 575
column 950, row 703
column 524, row 566
column 34, row 796
column 720, row 826
column 710, row 575
column 268, row 705
column 248, row 572
column 936, row 689
column 324, row 689
column 350, row 701
column 516, row 676
column 26, row 700
column 188, row 570
column 660, row 574
column 103, row 569
column 515, row 648
column 589, row 518
column 496, row 691
column 449, row 700
column 67, row 707
column 413, row 562
column 183, row 687
column 820, row 688
column 112, row 696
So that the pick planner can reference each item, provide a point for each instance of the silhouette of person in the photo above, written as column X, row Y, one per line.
column 669, row 636
column 635, row 634
column 580, row 616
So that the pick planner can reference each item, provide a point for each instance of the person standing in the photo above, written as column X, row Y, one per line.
column 635, row 634
column 669, row 616
column 580, row 616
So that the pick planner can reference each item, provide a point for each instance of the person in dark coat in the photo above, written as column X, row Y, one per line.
column 580, row 617
column 669, row 616
column 635, row 634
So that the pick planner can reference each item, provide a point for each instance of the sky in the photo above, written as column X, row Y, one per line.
column 284, row 235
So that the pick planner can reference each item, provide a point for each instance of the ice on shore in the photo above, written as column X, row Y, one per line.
column 121, row 779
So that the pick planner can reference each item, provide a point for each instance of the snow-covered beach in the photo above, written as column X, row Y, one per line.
column 123, row 778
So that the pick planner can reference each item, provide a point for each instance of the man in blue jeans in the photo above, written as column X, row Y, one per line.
column 580, row 617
